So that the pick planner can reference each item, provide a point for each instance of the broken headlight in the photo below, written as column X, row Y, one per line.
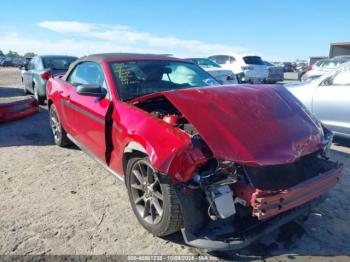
column 216, row 172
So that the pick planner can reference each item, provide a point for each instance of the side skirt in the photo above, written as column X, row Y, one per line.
column 121, row 178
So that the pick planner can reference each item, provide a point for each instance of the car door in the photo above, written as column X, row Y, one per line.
column 85, row 115
column 331, row 101
column 28, row 75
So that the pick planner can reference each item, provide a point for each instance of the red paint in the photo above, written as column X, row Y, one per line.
column 246, row 124
column 18, row 109
column 171, row 119
column 46, row 75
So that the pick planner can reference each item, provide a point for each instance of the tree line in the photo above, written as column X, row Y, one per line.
column 14, row 54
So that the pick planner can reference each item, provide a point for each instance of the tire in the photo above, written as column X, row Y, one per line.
column 162, row 192
column 59, row 134
column 25, row 91
column 39, row 98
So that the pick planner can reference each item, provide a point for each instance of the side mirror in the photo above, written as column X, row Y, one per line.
column 91, row 90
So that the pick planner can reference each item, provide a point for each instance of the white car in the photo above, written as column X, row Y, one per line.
column 247, row 68
column 328, row 98
column 224, row 76
column 324, row 66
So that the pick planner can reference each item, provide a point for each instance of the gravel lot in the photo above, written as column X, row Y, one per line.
column 59, row 201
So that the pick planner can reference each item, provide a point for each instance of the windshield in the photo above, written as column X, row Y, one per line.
column 253, row 60
column 58, row 63
column 203, row 62
column 138, row 78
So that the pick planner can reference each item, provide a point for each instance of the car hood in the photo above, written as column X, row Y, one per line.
column 249, row 124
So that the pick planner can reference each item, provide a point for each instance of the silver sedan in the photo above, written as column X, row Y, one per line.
column 328, row 98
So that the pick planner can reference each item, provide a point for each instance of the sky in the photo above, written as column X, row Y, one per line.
column 276, row 30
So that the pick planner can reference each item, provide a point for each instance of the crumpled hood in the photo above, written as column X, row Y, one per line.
column 249, row 124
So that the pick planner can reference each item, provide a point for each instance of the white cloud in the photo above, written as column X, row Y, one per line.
column 68, row 46
column 125, row 36
column 86, row 38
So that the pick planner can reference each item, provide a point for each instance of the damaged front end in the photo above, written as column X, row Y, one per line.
column 231, row 192
column 228, row 209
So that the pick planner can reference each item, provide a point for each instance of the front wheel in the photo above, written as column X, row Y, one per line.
column 153, row 199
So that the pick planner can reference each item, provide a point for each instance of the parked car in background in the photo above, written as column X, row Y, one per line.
column 7, row 62
column 18, row 62
column 328, row 98
column 324, row 66
column 247, row 68
column 314, row 61
column 40, row 69
column 224, row 76
column 288, row 67
column 276, row 73
column 194, row 155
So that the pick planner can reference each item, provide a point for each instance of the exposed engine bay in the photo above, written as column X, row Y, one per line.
column 161, row 108
column 223, row 191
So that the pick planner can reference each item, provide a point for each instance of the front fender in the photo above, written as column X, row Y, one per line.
column 169, row 149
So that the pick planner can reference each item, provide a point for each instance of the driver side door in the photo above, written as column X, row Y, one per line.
column 86, row 114
column 331, row 101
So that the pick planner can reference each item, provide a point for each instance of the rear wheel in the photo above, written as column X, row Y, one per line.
column 59, row 134
column 153, row 200
column 25, row 91
column 39, row 98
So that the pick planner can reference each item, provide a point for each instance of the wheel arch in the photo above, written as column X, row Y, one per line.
column 132, row 149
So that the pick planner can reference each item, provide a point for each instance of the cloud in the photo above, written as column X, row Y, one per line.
column 123, row 36
column 69, row 46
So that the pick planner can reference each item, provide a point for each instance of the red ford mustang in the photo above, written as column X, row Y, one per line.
column 225, row 164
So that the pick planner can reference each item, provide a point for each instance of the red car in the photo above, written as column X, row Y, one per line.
column 225, row 164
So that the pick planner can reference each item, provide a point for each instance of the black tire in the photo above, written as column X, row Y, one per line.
column 59, row 134
column 39, row 98
column 171, row 219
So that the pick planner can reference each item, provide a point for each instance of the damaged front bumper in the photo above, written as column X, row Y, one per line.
column 224, row 236
column 268, row 205
column 269, row 211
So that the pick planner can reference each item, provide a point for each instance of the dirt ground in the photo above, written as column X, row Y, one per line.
column 59, row 201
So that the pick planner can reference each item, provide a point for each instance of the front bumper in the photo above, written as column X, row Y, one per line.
column 222, row 237
column 268, row 204
column 269, row 211
column 244, row 78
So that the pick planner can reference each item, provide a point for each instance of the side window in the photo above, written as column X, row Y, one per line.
column 232, row 60
column 88, row 73
column 32, row 63
column 222, row 59
column 213, row 58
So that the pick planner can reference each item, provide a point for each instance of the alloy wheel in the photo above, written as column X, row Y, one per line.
column 55, row 125
column 146, row 192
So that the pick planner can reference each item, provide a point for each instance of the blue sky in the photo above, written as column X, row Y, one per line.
column 277, row 30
